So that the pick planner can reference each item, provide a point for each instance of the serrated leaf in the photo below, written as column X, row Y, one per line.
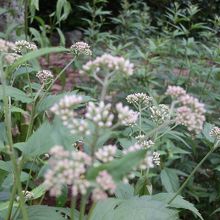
column 169, row 180
column 178, row 202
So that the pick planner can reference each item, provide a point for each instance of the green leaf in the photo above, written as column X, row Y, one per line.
column 178, row 202
column 38, row 191
column 124, row 191
column 35, row 54
column 143, row 187
column 40, row 141
column 169, row 180
column 140, row 208
column 15, row 94
column 41, row 212
column 118, row 168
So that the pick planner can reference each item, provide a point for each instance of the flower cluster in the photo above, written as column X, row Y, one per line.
column 106, row 153
column 45, row 76
column 6, row 46
column 139, row 99
column 175, row 91
column 191, row 112
column 62, row 108
column 67, row 168
column 105, row 184
column 149, row 160
column 23, row 46
column 159, row 113
column 215, row 132
column 126, row 116
column 81, row 48
column 11, row 57
column 110, row 63
column 100, row 114
column 144, row 142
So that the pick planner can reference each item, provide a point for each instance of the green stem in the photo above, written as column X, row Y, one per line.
column 193, row 172
column 8, row 125
column 11, row 202
column 82, row 208
column 56, row 78
column 73, row 206
column 91, row 211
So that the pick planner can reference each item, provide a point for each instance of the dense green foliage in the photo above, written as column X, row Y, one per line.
column 169, row 44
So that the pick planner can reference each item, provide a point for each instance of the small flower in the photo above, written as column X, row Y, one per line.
column 139, row 99
column 159, row 113
column 81, row 48
column 126, row 116
column 23, row 46
column 11, row 57
column 45, row 76
column 99, row 194
column 156, row 158
column 100, row 114
column 6, row 46
column 28, row 195
column 215, row 132
column 175, row 91
column 106, row 153
column 109, row 63
column 144, row 142
column 67, row 168
column 105, row 181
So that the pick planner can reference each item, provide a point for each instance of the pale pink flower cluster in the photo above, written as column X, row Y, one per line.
column 159, row 113
column 106, row 153
column 6, row 46
column 215, row 132
column 144, row 142
column 105, row 184
column 63, row 107
column 109, row 63
column 81, row 48
column 11, row 57
column 100, row 114
column 23, row 46
column 175, row 91
column 64, row 110
column 67, row 168
column 139, row 99
column 126, row 116
column 191, row 113
column 45, row 76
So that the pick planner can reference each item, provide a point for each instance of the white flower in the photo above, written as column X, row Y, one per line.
column 144, row 142
column 139, row 99
column 81, row 48
column 24, row 46
column 215, row 132
column 45, row 76
column 159, row 113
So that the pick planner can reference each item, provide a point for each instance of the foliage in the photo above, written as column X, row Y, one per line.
column 161, row 164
